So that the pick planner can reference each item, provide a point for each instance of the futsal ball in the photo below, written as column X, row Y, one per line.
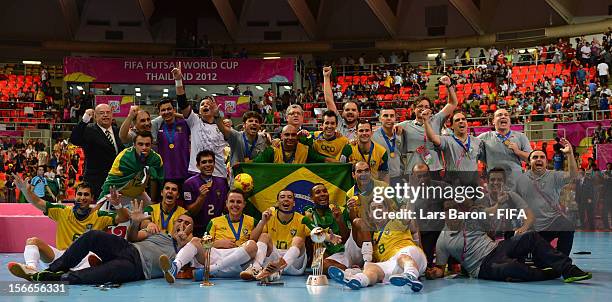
column 243, row 182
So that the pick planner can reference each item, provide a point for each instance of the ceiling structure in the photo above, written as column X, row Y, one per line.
column 50, row 28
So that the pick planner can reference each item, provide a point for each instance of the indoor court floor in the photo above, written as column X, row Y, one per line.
column 294, row 289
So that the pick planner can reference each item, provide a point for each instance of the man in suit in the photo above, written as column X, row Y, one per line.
column 585, row 198
column 100, row 142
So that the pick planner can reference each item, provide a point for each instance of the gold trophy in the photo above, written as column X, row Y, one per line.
column 317, row 278
column 207, row 244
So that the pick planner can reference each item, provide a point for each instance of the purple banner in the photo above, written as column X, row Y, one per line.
column 576, row 132
column 481, row 129
column 233, row 106
column 604, row 155
column 195, row 70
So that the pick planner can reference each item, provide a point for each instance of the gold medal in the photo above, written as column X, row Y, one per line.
column 392, row 154
column 171, row 146
column 507, row 143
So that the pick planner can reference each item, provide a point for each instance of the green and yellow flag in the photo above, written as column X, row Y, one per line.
column 269, row 179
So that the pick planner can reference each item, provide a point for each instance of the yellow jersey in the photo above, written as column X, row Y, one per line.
column 165, row 221
column 282, row 233
column 69, row 228
column 219, row 228
column 330, row 148
column 377, row 158
column 394, row 236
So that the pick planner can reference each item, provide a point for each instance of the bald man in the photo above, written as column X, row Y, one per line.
column 290, row 151
column 100, row 142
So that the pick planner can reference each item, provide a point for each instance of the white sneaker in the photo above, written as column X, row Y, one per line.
column 250, row 273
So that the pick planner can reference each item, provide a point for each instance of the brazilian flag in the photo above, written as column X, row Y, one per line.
column 269, row 179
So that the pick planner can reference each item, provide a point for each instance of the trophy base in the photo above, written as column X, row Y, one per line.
column 317, row 280
column 206, row 284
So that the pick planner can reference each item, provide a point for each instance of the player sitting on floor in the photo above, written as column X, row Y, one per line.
column 484, row 258
column 399, row 259
column 72, row 222
column 231, row 248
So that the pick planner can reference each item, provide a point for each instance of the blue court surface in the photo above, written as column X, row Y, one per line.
column 294, row 289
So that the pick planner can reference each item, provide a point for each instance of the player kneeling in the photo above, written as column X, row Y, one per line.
column 232, row 250
column 399, row 259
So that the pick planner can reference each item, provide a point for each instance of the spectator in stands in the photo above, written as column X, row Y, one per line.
column 100, row 142
column 603, row 72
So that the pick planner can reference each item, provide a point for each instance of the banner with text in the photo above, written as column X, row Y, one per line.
column 120, row 104
column 195, row 70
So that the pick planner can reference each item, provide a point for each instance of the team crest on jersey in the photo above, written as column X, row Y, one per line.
column 293, row 232
column 387, row 232
column 179, row 129
column 245, row 232
column 187, row 195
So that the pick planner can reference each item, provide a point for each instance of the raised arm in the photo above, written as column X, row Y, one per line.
column 431, row 134
column 327, row 90
column 77, row 137
column 452, row 102
column 181, row 98
column 569, row 152
column 36, row 201
column 265, row 217
column 124, row 131
column 134, row 234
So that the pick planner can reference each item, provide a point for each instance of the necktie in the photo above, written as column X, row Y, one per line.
column 110, row 139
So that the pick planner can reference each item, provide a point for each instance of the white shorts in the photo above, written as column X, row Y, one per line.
column 58, row 253
column 215, row 256
column 351, row 256
column 391, row 268
column 296, row 269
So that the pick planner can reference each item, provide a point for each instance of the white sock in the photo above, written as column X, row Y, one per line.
column 291, row 254
column 31, row 254
column 366, row 251
column 262, row 250
column 362, row 278
column 410, row 269
column 185, row 255
column 238, row 257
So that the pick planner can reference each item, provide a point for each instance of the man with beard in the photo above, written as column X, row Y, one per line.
column 100, row 142
column 205, row 131
column 246, row 145
column 135, row 169
column 291, row 151
column 123, row 261
column 398, row 258
column 500, row 197
column 484, row 258
column 347, row 126
column 541, row 188
column 204, row 194
column 419, row 149
column 394, row 144
column 162, row 214
column 142, row 122
column 72, row 222
column 332, row 218
column 231, row 249
column 327, row 142
column 172, row 136
column 504, row 148
column 460, row 150
column 370, row 152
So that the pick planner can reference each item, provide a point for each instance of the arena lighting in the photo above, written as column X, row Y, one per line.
column 165, row 95
column 165, row 89
column 213, row 94
column 80, row 87
column 203, row 89
column 271, row 58
column 230, row 87
column 137, row 89
column 138, row 94
column 31, row 62
column 259, row 87
column 287, row 87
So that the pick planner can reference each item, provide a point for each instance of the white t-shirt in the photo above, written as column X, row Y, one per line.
column 586, row 52
column 205, row 136
column 602, row 68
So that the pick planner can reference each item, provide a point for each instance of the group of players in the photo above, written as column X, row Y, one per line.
column 171, row 238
